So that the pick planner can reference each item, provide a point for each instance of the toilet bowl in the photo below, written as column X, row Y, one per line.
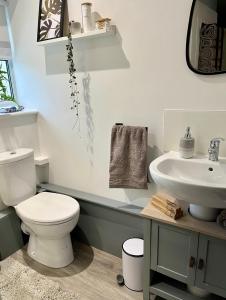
column 48, row 218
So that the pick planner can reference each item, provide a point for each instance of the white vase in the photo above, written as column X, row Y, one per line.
column 87, row 22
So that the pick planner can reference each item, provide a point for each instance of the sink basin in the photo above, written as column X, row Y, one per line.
column 198, row 181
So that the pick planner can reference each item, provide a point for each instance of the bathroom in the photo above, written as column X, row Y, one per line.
column 135, row 74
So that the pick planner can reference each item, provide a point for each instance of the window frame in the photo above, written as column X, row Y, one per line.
column 9, row 75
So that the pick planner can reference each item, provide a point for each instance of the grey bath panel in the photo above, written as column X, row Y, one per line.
column 174, row 252
column 10, row 233
column 103, row 223
column 211, row 271
column 106, row 229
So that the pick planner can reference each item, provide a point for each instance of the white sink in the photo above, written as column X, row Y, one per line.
column 197, row 181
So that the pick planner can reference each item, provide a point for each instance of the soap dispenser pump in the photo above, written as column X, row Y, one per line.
column 187, row 144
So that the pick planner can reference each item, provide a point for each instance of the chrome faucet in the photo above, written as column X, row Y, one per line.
column 214, row 148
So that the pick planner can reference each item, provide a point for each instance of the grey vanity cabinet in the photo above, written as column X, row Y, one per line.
column 211, row 268
column 174, row 252
column 189, row 257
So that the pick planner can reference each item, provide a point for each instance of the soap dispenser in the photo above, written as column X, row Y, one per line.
column 187, row 144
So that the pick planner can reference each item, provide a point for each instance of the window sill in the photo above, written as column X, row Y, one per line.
column 17, row 114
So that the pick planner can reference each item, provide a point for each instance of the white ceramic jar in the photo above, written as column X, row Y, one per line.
column 75, row 27
column 87, row 23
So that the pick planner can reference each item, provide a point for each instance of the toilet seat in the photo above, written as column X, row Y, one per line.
column 48, row 209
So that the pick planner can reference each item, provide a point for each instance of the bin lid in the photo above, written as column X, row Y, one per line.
column 134, row 247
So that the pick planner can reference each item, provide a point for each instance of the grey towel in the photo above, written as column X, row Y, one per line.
column 128, row 163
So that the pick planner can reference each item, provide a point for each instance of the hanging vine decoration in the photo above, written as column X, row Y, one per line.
column 73, row 78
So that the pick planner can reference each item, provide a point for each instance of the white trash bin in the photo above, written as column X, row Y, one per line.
column 132, row 263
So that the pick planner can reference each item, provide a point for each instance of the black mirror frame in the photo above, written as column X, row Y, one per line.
column 188, row 46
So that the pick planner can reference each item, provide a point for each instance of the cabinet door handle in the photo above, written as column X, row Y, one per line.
column 201, row 264
column 192, row 262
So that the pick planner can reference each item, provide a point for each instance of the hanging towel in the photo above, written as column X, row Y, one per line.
column 128, row 162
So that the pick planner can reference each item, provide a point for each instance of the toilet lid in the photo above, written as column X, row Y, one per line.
column 48, row 208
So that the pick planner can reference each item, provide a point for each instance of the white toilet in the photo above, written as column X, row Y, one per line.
column 47, row 217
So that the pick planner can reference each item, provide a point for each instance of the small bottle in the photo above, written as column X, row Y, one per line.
column 187, row 144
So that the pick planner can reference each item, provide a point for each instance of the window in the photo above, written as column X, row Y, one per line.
column 6, row 90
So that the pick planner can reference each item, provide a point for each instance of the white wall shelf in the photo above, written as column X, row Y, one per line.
column 80, row 36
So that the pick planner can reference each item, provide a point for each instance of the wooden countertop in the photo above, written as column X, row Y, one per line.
column 186, row 222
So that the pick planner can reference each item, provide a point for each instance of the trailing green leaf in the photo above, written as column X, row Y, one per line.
column 72, row 73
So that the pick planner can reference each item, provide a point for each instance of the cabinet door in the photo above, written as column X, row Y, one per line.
column 174, row 252
column 211, row 270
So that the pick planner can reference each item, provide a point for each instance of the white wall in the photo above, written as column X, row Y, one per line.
column 3, row 25
column 4, row 37
column 19, row 131
column 131, row 78
column 205, row 125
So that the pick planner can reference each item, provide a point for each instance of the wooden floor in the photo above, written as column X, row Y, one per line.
column 92, row 275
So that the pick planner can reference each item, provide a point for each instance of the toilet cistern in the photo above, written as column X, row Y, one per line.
column 214, row 148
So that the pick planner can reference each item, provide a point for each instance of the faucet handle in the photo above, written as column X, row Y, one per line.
column 216, row 141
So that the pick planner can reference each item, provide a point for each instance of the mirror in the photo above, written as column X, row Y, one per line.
column 206, row 38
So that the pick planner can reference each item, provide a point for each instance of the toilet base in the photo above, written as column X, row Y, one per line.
column 54, row 253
